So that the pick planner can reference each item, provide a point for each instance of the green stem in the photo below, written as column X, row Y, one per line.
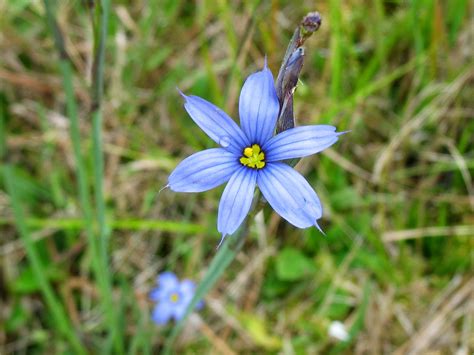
column 98, row 262
column 98, row 159
column 97, row 89
column 3, row 124
column 219, row 264
column 226, row 253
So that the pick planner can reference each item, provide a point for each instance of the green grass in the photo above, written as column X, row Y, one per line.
column 90, row 132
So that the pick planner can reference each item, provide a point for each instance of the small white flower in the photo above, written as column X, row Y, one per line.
column 338, row 331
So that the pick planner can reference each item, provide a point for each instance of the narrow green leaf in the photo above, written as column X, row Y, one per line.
column 58, row 313
column 223, row 258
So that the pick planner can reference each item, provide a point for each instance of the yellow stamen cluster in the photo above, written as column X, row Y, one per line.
column 174, row 297
column 253, row 157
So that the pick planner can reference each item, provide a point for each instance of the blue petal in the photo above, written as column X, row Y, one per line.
column 290, row 195
column 168, row 280
column 167, row 283
column 186, row 290
column 299, row 142
column 216, row 123
column 179, row 310
column 236, row 200
column 200, row 305
column 259, row 106
column 203, row 170
column 157, row 294
column 162, row 313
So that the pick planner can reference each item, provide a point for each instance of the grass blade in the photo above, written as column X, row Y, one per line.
column 102, row 14
column 58, row 313
column 98, row 261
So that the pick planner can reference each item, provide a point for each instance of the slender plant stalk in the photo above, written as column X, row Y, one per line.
column 336, row 49
column 98, row 261
column 58, row 313
column 225, row 255
column 97, row 93
column 97, row 88
column 3, row 135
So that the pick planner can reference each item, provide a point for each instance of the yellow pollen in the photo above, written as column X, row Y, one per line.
column 174, row 297
column 253, row 157
column 248, row 152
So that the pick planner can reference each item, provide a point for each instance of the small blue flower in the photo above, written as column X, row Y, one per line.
column 172, row 297
column 251, row 156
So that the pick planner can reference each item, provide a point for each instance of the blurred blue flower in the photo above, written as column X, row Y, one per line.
column 172, row 297
column 252, row 156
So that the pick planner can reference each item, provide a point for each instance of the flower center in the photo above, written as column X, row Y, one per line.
column 174, row 297
column 253, row 157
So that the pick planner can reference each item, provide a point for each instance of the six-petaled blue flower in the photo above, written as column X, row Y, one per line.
column 172, row 297
column 251, row 156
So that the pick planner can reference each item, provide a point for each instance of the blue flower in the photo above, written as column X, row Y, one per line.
column 251, row 156
column 172, row 297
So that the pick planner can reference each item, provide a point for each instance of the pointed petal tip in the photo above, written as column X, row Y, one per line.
column 163, row 188
column 265, row 65
column 213, row 120
column 181, row 93
column 221, row 241
column 343, row 132
column 319, row 228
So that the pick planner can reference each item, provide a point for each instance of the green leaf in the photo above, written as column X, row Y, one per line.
column 291, row 265
column 258, row 330
column 273, row 286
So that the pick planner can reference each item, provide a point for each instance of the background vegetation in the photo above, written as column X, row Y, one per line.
column 396, row 264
